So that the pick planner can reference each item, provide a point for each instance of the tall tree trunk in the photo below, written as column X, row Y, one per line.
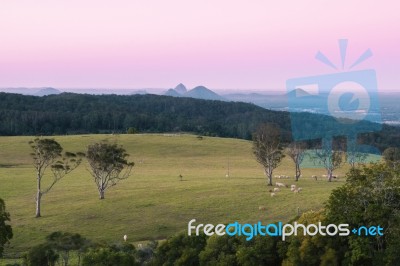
column 38, row 195
column 101, row 194
column 298, row 172
column 38, row 199
column 329, row 175
column 268, row 173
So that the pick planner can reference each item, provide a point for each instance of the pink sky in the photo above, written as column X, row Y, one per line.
column 221, row 44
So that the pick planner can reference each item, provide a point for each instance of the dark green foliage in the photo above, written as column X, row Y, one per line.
column 121, row 255
column 41, row 255
column 180, row 250
column 5, row 229
column 64, row 243
column 220, row 250
column 370, row 197
column 262, row 250
column 59, row 245
column 227, row 250
column 69, row 113
column 57, row 249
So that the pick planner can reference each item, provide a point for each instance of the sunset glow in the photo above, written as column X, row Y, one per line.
column 253, row 45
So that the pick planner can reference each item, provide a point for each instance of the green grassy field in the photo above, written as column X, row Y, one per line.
column 153, row 203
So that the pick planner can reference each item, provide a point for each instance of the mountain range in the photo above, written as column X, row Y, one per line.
column 199, row 92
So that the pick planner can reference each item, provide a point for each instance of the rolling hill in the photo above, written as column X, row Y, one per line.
column 152, row 203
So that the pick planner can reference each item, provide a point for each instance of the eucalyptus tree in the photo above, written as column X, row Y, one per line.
column 48, row 154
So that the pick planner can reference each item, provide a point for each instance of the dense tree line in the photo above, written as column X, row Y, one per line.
column 76, row 113
column 70, row 113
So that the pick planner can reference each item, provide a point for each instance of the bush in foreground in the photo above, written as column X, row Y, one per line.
column 5, row 229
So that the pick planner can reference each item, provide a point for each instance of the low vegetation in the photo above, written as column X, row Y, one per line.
column 6, row 232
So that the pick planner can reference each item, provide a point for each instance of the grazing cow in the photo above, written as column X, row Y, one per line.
column 261, row 208
column 273, row 194
column 276, row 189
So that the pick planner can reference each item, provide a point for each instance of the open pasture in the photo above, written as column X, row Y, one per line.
column 153, row 203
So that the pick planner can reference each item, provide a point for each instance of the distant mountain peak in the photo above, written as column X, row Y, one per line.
column 201, row 92
column 298, row 92
column 180, row 88
column 47, row 91
column 173, row 93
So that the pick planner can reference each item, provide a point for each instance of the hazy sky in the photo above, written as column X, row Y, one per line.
column 221, row 44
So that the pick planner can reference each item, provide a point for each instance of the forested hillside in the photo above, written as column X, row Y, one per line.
column 69, row 113
column 78, row 113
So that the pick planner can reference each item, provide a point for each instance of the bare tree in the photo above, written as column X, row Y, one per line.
column 267, row 148
column 353, row 154
column 48, row 153
column 108, row 165
column 329, row 158
column 297, row 151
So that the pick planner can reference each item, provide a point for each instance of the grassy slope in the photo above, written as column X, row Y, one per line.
column 152, row 203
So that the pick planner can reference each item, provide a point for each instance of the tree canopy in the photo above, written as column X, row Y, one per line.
column 267, row 148
column 48, row 153
column 108, row 165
